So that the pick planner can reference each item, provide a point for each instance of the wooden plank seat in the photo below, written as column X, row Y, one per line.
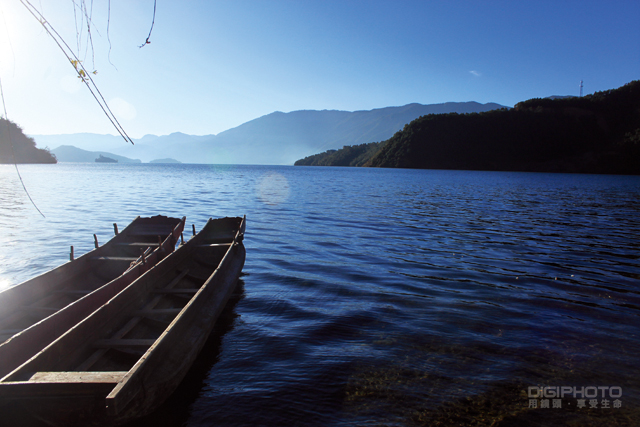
column 36, row 312
column 204, row 263
column 111, row 377
column 138, row 244
column 176, row 291
column 157, row 312
column 39, row 310
column 146, row 231
column 157, row 361
column 130, row 324
column 73, row 291
column 156, row 323
column 114, row 258
column 195, row 278
column 62, row 384
column 187, row 274
column 123, row 343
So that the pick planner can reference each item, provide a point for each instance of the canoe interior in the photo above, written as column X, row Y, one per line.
column 35, row 312
column 35, row 299
column 125, row 340
column 159, row 309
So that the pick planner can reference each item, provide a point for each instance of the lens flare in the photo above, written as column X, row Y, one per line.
column 273, row 189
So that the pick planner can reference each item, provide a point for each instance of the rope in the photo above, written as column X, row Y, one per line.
column 153, row 21
column 13, row 154
column 77, row 64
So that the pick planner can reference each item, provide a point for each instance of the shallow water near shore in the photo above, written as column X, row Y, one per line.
column 376, row 296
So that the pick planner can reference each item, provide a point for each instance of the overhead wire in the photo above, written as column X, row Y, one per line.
column 84, row 75
column 108, row 37
column 153, row 21
column 13, row 154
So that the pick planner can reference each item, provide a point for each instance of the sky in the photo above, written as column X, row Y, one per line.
column 213, row 65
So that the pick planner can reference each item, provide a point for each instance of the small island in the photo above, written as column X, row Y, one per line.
column 103, row 159
column 16, row 147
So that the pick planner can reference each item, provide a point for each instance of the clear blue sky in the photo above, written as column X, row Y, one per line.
column 213, row 65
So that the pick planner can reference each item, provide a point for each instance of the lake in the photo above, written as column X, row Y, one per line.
column 379, row 296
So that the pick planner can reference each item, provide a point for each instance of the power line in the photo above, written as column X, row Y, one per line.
column 84, row 75
column 13, row 154
column 153, row 21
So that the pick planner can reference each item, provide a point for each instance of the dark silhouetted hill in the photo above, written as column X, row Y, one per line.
column 597, row 133
column 349, row 155
column 16, row 147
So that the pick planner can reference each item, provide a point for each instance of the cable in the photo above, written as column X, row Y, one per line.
column 153, row 21
column 77, row 64
column 13, row 154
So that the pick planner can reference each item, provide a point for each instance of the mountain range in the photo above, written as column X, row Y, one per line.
column 276, row 139
column 73, row 154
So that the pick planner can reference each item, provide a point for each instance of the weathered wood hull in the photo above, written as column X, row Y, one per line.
column 36, row 312
column 126, row 358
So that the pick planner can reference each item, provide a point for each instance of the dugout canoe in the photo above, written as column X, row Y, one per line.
column 127, row 357
column 36, row 312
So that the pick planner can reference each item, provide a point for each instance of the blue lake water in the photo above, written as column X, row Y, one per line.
column 376, row 296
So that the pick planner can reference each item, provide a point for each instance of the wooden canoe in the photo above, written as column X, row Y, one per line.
column 127, row 357
column 36, row 312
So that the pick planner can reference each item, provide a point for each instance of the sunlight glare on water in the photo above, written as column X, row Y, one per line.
column 376, row 296
column 273, row 188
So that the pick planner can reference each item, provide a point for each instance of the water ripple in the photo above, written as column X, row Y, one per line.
column 374, row 296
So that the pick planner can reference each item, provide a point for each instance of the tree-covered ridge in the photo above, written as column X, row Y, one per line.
column 349, row 155
column 24, row 148
column 598, row 133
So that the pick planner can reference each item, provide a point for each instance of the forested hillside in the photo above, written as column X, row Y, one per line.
column 349, row 155
column 598, row 133
column 16, row 147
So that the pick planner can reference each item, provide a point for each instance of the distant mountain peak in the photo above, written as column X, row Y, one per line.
column 275, row 138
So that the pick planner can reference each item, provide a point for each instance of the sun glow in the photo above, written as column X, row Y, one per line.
column 4, row 284
column 273, row 189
